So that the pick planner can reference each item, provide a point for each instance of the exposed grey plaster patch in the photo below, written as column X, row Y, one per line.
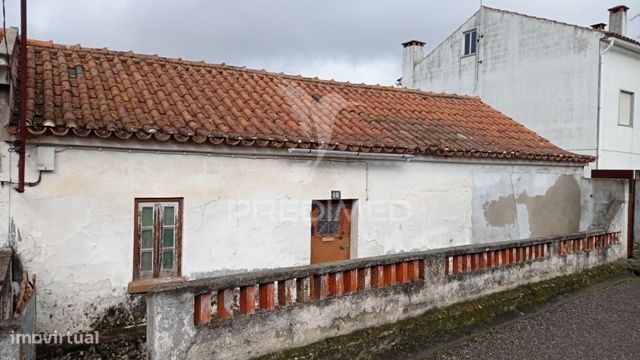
column 501, row 212
column 555, row 212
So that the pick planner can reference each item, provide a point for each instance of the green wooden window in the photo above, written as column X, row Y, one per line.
column 158, row 238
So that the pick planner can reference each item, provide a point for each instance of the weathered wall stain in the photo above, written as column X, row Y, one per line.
column 501, row 212
column 555, row 212
column 129, row 313
column 609, row 199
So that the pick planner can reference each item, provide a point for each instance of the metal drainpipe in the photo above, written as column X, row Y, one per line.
column 600, row 94
column 480, row 28
column 23, row 95
column 631, row 211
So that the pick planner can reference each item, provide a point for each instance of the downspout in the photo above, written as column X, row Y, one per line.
column 600, row 95
column 631, row 216
column 478, row 61
column 22, row 132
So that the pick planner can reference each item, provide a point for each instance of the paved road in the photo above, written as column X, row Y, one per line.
column 602, row 322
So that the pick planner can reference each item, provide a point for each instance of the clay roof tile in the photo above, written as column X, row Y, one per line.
column 121, row 93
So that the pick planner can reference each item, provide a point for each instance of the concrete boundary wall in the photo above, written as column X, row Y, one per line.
column 257, row 313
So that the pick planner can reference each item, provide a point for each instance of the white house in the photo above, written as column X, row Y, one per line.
column 577, row 86
column 142, row 169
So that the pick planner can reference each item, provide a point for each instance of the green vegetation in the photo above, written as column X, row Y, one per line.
column 410, row 336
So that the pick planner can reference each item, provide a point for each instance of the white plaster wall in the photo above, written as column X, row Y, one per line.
column 445, row 69
column 427, row 206
column 7, row 164
column 76, row 227
column 620, row 144
column 541, row 73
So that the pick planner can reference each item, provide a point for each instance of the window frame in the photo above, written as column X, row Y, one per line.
column 472, row 44
column 632, row 100
column 157, row 245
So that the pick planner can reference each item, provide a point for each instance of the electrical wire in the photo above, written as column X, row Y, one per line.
column 30, row 184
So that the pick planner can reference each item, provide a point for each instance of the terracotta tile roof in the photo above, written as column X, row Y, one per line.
column 622, row 37
column 85, row 92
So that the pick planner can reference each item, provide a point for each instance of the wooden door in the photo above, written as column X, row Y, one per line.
column 330, row 230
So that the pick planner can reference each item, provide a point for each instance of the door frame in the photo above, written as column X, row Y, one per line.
column 353, row 205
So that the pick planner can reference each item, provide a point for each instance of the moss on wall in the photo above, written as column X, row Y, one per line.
column 410, row 336
column 123, row 343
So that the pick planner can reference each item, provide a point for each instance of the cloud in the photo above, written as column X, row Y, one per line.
column 356, row 40
column 377, row 70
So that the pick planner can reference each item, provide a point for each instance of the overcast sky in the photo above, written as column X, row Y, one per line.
column 354, row 40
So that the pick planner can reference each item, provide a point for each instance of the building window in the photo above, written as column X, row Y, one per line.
column 470, row 42
column 625, row 108
column 158, row 238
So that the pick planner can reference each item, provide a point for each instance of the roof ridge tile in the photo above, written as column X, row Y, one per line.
column 178, row 60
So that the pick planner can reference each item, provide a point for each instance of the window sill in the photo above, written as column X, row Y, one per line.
column 143, row 285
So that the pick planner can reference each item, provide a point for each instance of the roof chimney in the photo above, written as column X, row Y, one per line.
column 412, row 53
column 618, row 19
column 599, row 26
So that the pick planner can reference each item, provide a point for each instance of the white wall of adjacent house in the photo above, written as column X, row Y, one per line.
column 541, row 73
column 75, row 229
column 620, row 108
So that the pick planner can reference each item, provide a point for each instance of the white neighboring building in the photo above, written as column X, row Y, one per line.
column 576, row 86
